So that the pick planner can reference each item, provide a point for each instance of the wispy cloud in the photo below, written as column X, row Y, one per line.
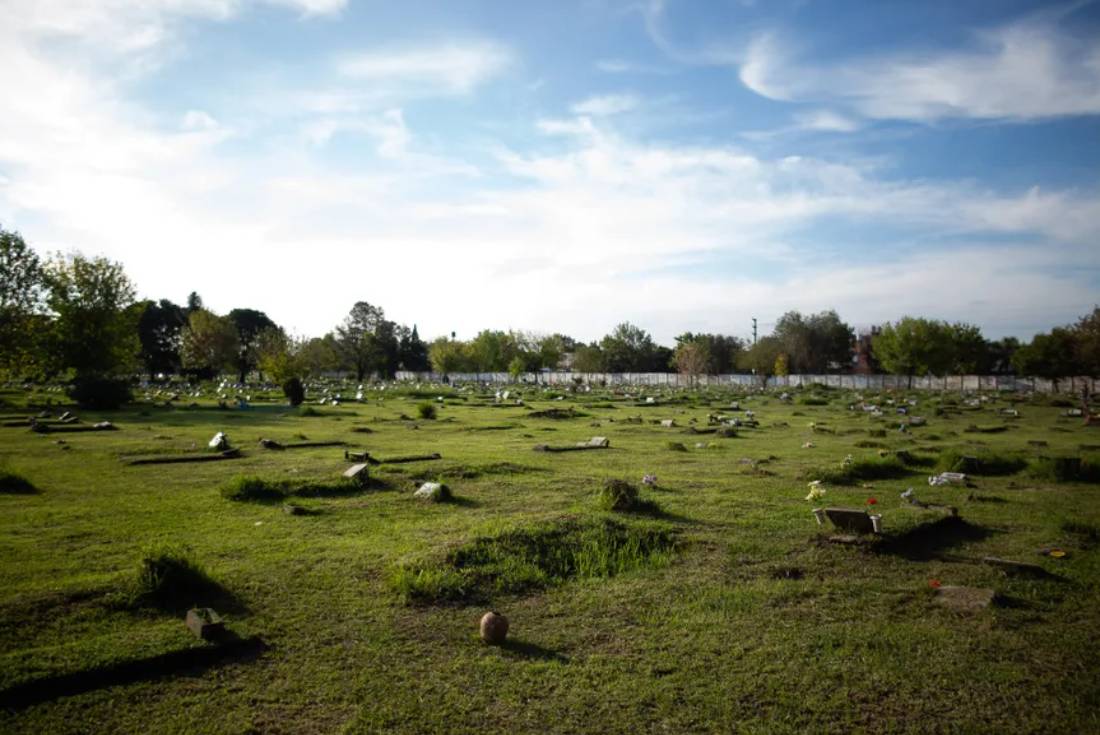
column 450, row 67
column 1027, row 70
column 606, row 105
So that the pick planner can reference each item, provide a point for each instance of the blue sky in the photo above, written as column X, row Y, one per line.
column 566, row 166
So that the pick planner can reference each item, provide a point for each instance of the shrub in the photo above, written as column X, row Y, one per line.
column 677, row 446
column 169, row 578
column 617, row 495
column 16, row 484
column 294, row 391
column 813, row 401
column 99, row 393
column 426, row 410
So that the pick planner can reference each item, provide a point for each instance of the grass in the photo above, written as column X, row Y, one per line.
column 535, row 557
column 726, row 612
column 860, row 470
column 980, row 462
column 15, row 483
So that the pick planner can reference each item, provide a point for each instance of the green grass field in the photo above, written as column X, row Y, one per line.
column 717, row 605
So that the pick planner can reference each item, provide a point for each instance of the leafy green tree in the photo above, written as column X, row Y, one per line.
column 628, row 349
column 22, row 294
column 1048, row 355
column 277, row 355
column 160, row 327
column 368, row 341
column 319, row 355
column 969, row 349
column 722, row 350
column 589, row 359
column 94, row 330
column 249, row 324
column 516, row 367
column 412, row 351
column 761, row 358
column 448, row 356
column 692, row 358
column 1086, row 334
column 550, row 350
column 815, row 344
column 208, row 344
column 914, row 346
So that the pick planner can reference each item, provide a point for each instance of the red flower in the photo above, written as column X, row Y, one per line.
column 871, row 501
column 934, row 584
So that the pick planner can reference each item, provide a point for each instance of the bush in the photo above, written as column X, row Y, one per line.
column 294, row 391
column 16, row 484
column 426, row 410
column 170, row 579
column 813, row 401
column 617, row 495
column 246, row 488
column 99, row 393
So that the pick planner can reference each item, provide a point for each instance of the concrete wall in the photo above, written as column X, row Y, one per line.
column 858, row 382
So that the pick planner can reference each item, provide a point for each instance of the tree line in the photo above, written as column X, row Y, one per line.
column 78, row 318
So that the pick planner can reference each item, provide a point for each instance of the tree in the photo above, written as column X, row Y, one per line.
column 368, row 341
column 761, row 358
column 194, row 303
column 692, row 359
column 1086, row 350
column 721, row 349
column 915, row 346
column 412, row 352
column 447, row 356
column 94, row 331
column 815, row 344
column 589, row 359
column 249, row 323
column 516, row 367
column 1047, row 355
column 550, row 350
column 22, row 291
column 628, row 349
column 969, row 349
column 209, row 343
column 277, row 355
column 319, row 355
column 160, row 326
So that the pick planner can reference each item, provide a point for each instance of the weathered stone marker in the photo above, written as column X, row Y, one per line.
column 358, row 473
column 205, row 623
column 854, row 521
column 965, row 599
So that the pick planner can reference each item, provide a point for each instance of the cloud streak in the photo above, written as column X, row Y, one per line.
column 1029, row 70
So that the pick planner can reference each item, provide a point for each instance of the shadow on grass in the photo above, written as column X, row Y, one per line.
column 230, row 648
column 532, row 651
column 462, row 502
column 928, row 540
column 652, row 509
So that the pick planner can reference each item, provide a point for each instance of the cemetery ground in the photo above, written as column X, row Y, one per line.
column 714, row 603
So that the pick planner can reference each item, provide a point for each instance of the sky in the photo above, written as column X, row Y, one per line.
column 563, row 166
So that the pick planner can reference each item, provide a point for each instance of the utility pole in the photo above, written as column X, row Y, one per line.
column 754, row 330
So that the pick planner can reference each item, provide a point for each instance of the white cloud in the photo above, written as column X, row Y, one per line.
column 450, row 67
column 606, row 105
column 826, row 121
column 1024, row 71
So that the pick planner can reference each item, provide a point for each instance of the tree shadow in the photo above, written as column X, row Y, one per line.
column 927, row 540
column 228, row 648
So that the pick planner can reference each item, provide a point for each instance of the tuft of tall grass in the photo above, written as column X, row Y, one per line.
column 535, row 557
